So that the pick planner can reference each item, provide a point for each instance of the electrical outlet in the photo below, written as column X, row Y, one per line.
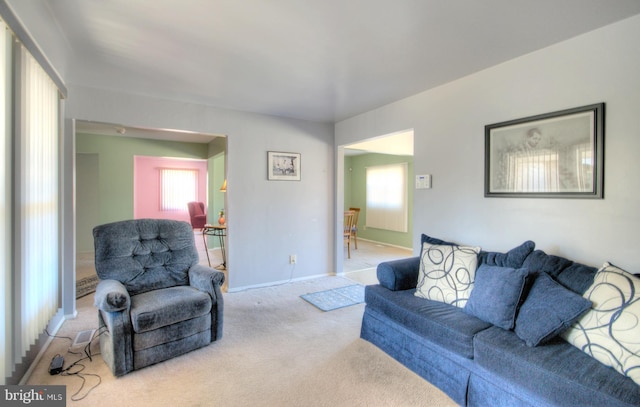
column 292, row 259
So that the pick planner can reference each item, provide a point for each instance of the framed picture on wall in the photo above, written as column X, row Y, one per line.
column 552, row 155
column 283, row 166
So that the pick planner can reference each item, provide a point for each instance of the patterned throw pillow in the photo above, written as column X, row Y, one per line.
column 447, row 273
column 610, row 331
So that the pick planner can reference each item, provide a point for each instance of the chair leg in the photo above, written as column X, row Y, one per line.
column 355, row 240
column 349, row 249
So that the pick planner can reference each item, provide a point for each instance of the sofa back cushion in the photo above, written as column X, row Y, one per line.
column 514, row 258
column 577, row 277
column 574, row 276
column 145, row 254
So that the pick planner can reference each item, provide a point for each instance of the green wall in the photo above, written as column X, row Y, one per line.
column 355, row 196
column 115, row 173
column 217, row 171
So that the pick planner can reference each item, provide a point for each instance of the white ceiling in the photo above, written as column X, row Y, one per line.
column 320, row 60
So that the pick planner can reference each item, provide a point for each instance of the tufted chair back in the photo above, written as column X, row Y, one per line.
column 145, row 254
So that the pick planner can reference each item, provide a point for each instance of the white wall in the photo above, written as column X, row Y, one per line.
column 267, row 220
column 601, row 66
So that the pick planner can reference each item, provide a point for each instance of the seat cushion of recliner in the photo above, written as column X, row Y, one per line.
column 167, row 306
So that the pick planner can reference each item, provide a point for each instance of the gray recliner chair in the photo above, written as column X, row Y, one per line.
column 154, row 300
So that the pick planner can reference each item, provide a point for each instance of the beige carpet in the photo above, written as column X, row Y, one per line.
column 277, row 350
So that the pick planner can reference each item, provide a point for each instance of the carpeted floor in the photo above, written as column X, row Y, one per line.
column 277, row 350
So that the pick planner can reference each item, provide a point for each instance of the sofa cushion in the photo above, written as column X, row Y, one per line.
column 577, row 277
column 447, row 273
column 610, row 330
column 550, row 264
column 167, row 306
column 513, row 258
column 574, row 276
column 496, row 294
column 447, row 326
column 548, row 310
column 557, row 371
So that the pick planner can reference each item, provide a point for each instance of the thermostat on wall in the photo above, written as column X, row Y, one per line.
column 423, row 181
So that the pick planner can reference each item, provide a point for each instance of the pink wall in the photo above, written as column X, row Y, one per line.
column 146, row 185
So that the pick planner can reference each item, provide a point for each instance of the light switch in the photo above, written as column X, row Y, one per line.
column 423, row 181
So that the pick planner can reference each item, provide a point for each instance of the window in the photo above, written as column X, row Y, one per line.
column 177, row 188
column 387, row 196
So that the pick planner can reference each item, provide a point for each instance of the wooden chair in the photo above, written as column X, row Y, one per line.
column 354, row 228
column 347, row 228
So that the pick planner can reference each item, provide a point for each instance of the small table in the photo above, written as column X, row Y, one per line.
column 221, row 232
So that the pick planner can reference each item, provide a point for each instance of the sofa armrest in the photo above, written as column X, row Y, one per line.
column 400, row 274
column 112, row 296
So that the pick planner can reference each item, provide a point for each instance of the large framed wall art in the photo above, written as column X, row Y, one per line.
column 552, row 155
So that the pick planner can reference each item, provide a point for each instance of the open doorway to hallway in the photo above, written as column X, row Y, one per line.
column 384, row 229
column 104, row 170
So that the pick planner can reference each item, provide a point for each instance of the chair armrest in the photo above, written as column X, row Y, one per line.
column 205, row 279
column 210, row 281
column 112, row 296
column 400, row 274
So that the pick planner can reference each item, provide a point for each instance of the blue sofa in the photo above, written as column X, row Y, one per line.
column 477, row 363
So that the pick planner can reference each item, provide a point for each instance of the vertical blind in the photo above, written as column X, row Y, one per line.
column 5, row 202
column 37, row 203
column 30, row 211
column 177, row 188
column 387, row 196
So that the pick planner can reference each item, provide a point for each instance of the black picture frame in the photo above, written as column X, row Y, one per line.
column 551, row 155
column 282, row 166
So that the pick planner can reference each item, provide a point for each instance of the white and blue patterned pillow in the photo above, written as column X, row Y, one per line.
column 447, row 273
column 610, row 331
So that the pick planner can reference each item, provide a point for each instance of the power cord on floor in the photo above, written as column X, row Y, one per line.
column 70, row 370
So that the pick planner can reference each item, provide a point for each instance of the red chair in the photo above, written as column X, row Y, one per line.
column 197, row 214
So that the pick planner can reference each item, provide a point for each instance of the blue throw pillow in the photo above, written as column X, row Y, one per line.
column 548, row 310
column 496, row 294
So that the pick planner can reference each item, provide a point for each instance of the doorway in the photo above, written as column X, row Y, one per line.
column 375, row 244
column 105, row 178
